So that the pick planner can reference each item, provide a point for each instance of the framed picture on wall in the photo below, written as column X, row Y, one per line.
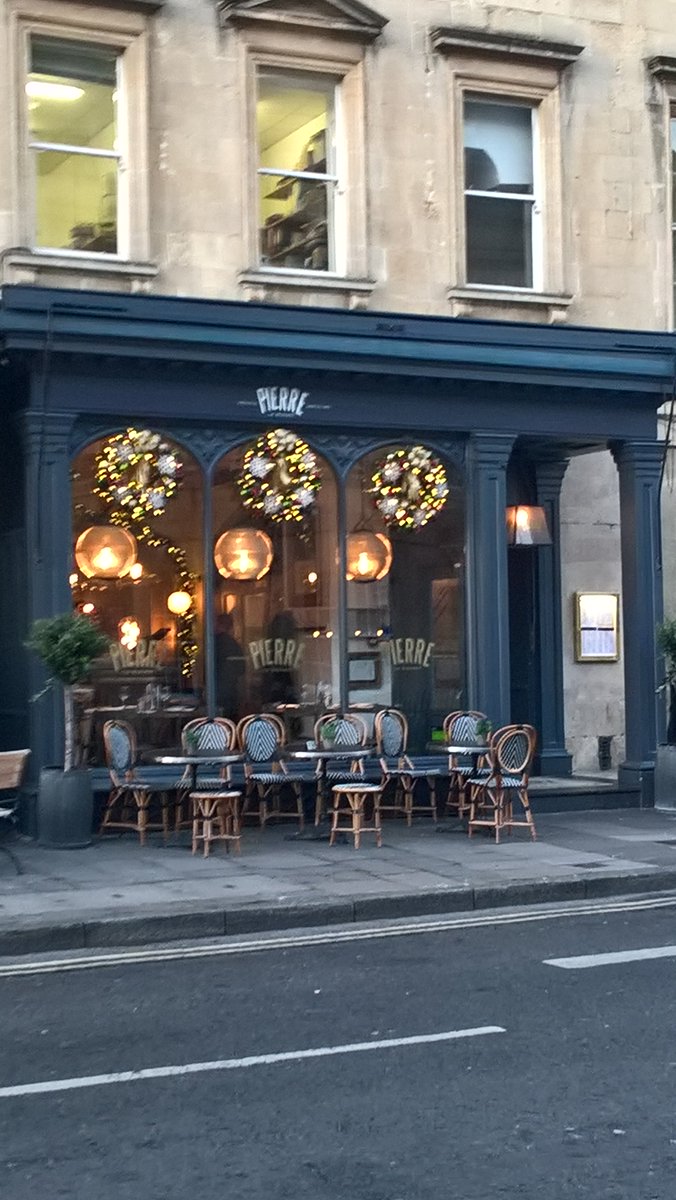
column 365, row 671
column 597, row 634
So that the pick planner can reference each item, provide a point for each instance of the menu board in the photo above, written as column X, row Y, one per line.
column 597, row 626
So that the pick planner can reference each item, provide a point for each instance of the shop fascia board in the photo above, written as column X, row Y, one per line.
column 269, row 335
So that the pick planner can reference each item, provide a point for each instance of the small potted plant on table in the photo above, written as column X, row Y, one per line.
column 483, row 729
column 68, row 645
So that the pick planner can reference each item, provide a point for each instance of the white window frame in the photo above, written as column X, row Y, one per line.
column 534, row 198
column 115, row 155
column 125, row 33
column 336, row 216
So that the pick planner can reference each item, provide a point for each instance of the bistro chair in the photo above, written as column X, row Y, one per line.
column 204, row 734
column 216, row 818
column 391, row 730
column 460, row 727
column 510, row 758
column 13, row 765
column 339, row 731
column 261, row 738
column 129, row 802
column 349, row 803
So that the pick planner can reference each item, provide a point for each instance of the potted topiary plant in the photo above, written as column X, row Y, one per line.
column 665, row 764
column 68, row 645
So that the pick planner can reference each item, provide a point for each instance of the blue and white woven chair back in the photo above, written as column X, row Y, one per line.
column 212, row 736
column 463, row 728
column 261, row 740
column 346, row 733
column 120, row 747
column 391, row 734
column 512, row 750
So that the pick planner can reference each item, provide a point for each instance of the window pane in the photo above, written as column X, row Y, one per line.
column 498, row 147
column 499, row 241
column 76, row 202
column 71, row 94
column 153, row 677
column 406, row 629
column 295, row 115
column 276, row 637
column 295, row 230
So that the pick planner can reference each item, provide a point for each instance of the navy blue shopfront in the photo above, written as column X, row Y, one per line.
column 459, row 622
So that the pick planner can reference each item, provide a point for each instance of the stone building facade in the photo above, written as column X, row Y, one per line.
column 595, row 78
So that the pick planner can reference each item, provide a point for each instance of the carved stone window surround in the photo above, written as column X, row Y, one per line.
column 342, row 18
column 662, row 109
column 318, row 47
column 122, row 26
column 505, row 67
column 474, row 300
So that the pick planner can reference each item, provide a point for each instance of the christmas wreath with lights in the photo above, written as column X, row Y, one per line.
column 137, row 473
column 280, row 476
column 410, row 487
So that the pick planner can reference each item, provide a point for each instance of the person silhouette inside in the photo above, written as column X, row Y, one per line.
column 230, row 668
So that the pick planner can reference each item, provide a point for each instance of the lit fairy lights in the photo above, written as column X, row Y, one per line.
column 410, row 487
column 137, row 473
column 280, row 476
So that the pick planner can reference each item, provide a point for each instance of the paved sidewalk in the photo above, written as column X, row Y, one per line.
column 116, row 893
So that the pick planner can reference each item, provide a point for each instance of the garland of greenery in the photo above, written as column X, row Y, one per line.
column 410, row 487
column 137, row 473
column 280, row 476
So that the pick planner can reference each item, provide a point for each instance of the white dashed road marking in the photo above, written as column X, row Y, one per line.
column 234, row 1064
column 581, row 962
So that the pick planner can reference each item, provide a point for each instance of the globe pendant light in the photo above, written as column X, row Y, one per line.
column 243, row 554
column 368, row 555
column 179, row 603
column 105, row 552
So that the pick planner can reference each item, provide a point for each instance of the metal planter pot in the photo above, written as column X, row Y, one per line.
column 65, row 809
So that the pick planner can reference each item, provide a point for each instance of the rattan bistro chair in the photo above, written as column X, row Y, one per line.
column 13, row 765
column 261, row 737
column 460, row 727
column 391, row 730
column 340, row 731
column 204, row 734
column 131, row 796
column 492, row 796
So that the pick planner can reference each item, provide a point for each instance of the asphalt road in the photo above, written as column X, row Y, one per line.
column 576, row 1098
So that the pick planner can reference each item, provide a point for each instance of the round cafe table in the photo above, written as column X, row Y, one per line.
column 322, row 757
column 194, row 761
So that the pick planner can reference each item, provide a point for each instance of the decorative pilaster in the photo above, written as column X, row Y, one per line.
column 639, row 465
column 553, row 756
column 46, row 440
column 487, row 589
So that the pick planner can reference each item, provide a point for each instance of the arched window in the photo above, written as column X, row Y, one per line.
column 405, row 559
column 137, row 571
column 276, row 593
